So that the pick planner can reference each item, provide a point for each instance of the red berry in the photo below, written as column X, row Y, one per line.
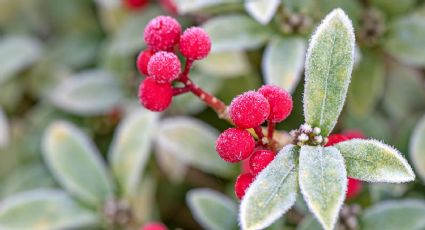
column 351, row 134
column 164, row 67
column 162, row 33
column 234, row 145
column 245, row 168
column 259, row 160
column 280, row 102
column 155, row 96
column 154, row 226
column 242, row 184
column 249, row 110
column 136, row 4
column 354, row 188
column 195, row 43
column 143, row 60
column 335, row 138
column 169, row 6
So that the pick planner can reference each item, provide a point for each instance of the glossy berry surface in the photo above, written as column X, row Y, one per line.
column 155, row 96
column 242, row 184
column 335, row 138
column 164, row 67
column 280, row 102
column 195, row 44
column 143, row 60
column 136, row 4
column 354, row 188
column 154, row 226
column 234, row 145
column 162, row 33
column 249, row 110
column 259, row 160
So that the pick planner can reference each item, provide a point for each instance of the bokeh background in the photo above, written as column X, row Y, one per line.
column 69, row 66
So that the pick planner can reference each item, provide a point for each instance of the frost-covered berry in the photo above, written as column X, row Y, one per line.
column 164, row 67
column 249, row 110
column 354, row 188
column 162, row 33
column 280, row 102
column 154, row 226
column 135, row 4
column 335, row 138
column 195, row 44
column 143, row 60
column 234, row 145
column 155, row 96
column 242, row 184
column 259, row 160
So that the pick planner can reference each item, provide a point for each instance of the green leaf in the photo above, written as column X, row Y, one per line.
column 193, row 142
column 235, row 32
column 172, row 166
column 309, row 223
column 374, row 161
column 225, row 64
column 393, row 7
column 188, row 6
column 272, row 193
column 76, row 163
column 323, row 182
column 131, row 148
column 4, row 129
column 283, row 62
column 405, row 40
column 17, row 53
column 143, row 203
column 262, row 10
column 367, row 85
column 395, row 215
column 45, row 209
column 91, row 92
column 212, row 210
column 417, row 148
column 328, row 69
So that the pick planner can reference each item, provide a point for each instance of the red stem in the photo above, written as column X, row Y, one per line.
column 259, row 131
column 270, row 129
column 178, row 91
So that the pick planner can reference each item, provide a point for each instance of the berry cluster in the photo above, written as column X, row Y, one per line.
column 250, row 110
column 160, row 63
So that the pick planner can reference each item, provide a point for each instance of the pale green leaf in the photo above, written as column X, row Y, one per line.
column 4, row 129
column 235, row 32
column 17, row 53
column 309, row 223
column 172, row 166
column 395, row 215
column 193, row 142
column 374, row 161
column 417, row 148
column 212, row 210
column 283, row 61
column 323, row 182
column 188, row 6
column 45, row 209
column 272, row 193
column 405, row 40
column 262, row 10
column 76, row 163
column 91, row 92
column 131, row 148
column 328, row 70
column 143, row 202
column 225, row 64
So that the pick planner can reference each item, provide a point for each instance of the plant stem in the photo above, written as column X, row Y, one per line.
column 270, row 129
column 182, row 90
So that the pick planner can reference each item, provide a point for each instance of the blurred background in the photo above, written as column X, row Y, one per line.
column 67, row 70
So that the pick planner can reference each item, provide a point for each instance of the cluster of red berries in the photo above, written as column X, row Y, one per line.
column 250, row 110
column 354, row 186
column 160, row 63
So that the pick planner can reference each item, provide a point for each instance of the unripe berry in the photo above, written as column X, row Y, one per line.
column 143, row 60
column 164, row 67
column 242, row 184
column 234, row 145
column 259, row 160
column 195, row 44
column 249, row 110
column 280, row 102
column 335, row 138
column 155, row 96
column 354, row 188
column 162, row 33
column 135, row 4
column 154, row 226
